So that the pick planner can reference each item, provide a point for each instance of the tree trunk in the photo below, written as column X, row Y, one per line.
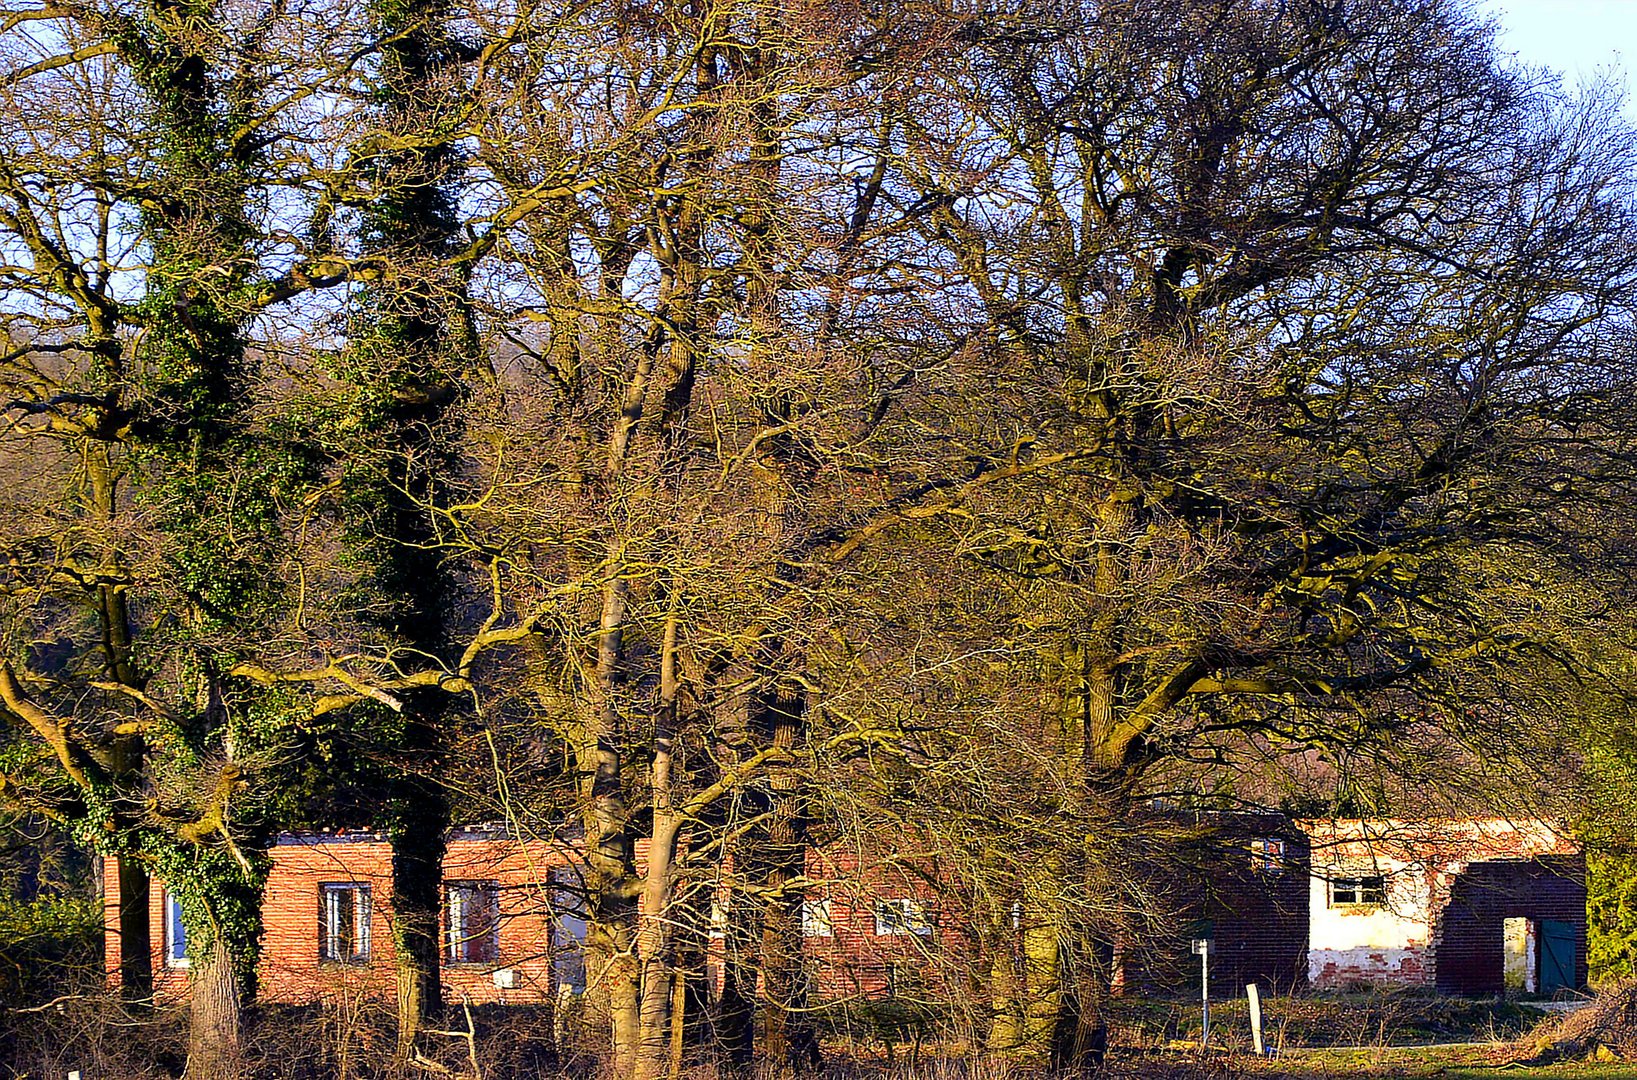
column 690, row 949
column 654, row 952
column 214, row 1048
column 786, row 1024
column 654, row 937
column 610, row 853
column 622, row 978
column 135, row 937
column 1080, row 1037
column 1042, row 983
column 419, row 823
column 736, row 1006
column 1005, row 1035
column 129, row 751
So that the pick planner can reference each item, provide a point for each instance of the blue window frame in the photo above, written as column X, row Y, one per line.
column 176, row 933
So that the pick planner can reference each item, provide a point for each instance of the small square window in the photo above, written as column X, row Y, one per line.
column 817, row 919
column 1267, row 855
column 900, row 918
column 473, row 922
column 343, row 924
column 176, row 933
column 1358, row 892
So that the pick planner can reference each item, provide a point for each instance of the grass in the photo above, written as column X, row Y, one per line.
column 1375, row 1019
column 1445, row 1063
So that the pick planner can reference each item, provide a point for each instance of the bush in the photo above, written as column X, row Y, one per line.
column 1611, row 916
column 49, row 947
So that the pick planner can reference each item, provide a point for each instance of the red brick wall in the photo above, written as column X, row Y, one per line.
column 523, row 872
column 291, row 969
column 169, row 983
column 1468, row 934
column 855, row 960
column 1451, row 886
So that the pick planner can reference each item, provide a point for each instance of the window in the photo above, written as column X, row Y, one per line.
column 1358, row 892
column 176, row 934
column 343, row 922
column 900, row 918
column 719, row 919
column 473, row 922
column 568, row 932
column 1267, row 855
column 817, row 919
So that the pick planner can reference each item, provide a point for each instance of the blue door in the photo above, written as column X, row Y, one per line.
column 1557, row 956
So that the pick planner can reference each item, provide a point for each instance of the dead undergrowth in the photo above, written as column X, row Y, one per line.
column 1604, row 1030
column 353, row 1040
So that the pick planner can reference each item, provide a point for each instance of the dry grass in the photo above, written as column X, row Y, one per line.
column 352, row 1040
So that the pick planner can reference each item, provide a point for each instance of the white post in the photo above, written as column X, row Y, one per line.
column 1255, row 997
column 1205, row 996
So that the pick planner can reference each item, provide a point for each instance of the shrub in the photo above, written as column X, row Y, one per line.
column 49, row 947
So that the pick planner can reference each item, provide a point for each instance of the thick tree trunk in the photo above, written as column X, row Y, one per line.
column 1080, row 1037
column 622, row 978
column 654, row 950
column 655, row 940
column 610, row 853
column 1005, row 1035
column 1042, row 983
column 1110, row 748
column 736, row 1006
column 786, row 1024
column 215, row 1051
column 419, row 822
column 135, row 937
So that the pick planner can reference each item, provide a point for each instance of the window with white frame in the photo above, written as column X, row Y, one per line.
column 718, row 919
column 472, row 922
column 1267, row 855
column 817, row 919
column 343, row 924
column 176, row 933
column 901, row 917
column 1367, row 891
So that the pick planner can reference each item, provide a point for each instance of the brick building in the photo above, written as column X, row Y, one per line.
column 327, row 918
column 1239, row 880
column 1463, row 907
column 513, row 928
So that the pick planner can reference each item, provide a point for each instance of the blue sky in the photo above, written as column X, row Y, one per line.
column 1576, row 37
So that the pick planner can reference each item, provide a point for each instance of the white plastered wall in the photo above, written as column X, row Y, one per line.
column 1392, row 944
column 1385, row 944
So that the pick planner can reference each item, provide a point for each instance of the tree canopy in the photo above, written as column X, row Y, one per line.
column 733, row 425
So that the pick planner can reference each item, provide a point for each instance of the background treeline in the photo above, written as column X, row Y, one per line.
column 735, row 425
